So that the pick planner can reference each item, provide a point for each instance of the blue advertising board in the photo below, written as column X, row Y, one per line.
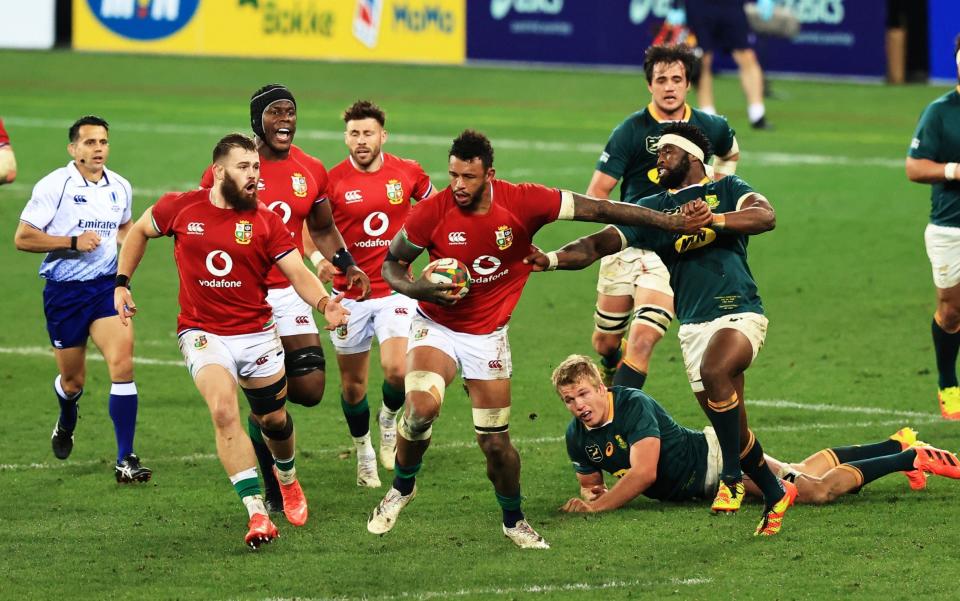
column 944, row 27
column 837, row 37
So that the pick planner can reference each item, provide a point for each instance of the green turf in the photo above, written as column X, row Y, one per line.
column 848, row 358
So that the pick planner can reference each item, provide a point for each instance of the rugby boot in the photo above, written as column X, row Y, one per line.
column 294, row 503
column 728, row 500
column 524, row 536
column 61, row 441
column 386, row 513
column 129, row 470
column 949, row 399
column 367, row 475
column 260, row 531
column 907, row 437
column 772, row 519
column 937, row 461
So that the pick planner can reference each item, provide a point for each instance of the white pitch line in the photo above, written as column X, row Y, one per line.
column 501, row 591
column 43, row 351
column 780, row 404
column 769, row 159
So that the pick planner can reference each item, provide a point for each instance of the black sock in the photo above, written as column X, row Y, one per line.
column 629, row 377
column 756, row 467
column 726, row 425
column 613, row 359
column 877, row 467
column 945, row 346
column 866, row 451
column 264, row 456
column 405, row 477
column 358, row 416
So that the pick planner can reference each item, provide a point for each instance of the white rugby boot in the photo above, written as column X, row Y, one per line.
column 524, row 536
column 385, row 515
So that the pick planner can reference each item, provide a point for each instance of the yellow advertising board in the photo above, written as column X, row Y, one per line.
column 432, row 31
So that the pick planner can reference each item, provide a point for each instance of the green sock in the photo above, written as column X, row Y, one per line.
column 285, row 465
column 392, row 397
column 358, row 416
column 510, row 504
column 405, row 478
column 613, row 359
column 247, row 487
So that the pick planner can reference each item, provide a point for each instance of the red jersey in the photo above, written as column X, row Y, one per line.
column 4, row 138
column 289, row 188
column 492, row 246
column 370, row 209
column 223, row 257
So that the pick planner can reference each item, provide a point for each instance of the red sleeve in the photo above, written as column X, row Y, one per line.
column 165, row 211
column 539, row 205
column 4, row 138
column 319, row 173
column 421, row 220
column 206, row 180
column 422, row 185
column 279, row 240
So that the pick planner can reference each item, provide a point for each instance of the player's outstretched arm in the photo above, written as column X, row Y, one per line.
column 396, row 272
column 925, row 171
column 131, row 253
column 578, row 254
column 577, row 207
column 328, row 240
column 644, row 456
column 755, row 216
column 311, row 290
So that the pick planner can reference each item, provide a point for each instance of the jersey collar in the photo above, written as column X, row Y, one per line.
column 703, row 182
column 652, row 109
column 78, row 178
column 609, row 414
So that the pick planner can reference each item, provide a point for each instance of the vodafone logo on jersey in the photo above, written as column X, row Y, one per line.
column 281, row 208
column 457, row 238
column 485, row 269
column 352, row 196
column 375, row 225
column 219, row 264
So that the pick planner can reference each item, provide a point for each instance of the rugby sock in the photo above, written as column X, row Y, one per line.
column 68, row 406
column 877, row 467
column 511, row 509
column 392, row 400
column 264, row 456
column 358, row 416
column 286, row 471
column 629, row 376
column 123, row 411
column 756, row 111
column 405, row 477
column 754, row 464
column 247, row 486
column 612, row 360
column 945, row 345
column 865, row 451
column 725, row 419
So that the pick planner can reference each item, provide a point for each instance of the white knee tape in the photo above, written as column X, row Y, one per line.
column 608, row 322
column 425, row 381
column 653, row 316
column 491, row 421
column 411, row 434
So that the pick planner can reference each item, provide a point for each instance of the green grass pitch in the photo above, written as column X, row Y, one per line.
column 848, row 359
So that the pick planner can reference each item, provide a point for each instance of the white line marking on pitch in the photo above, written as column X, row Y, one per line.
column 45, row 351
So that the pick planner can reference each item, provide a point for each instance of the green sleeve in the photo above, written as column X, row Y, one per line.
column 926, row 139
column 581, row 464
column 645, row 237
column 638, row 421
column 731, row 189
column 618, row 152
column 721, row 136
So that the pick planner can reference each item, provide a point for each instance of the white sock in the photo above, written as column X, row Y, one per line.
column 709, row 109
column 756, row 112
column 364, row 446
column 254, row 504
column 387, row 416
column 286, row 477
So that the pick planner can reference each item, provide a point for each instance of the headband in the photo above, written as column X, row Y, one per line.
column 262, row 100
column 682, row 143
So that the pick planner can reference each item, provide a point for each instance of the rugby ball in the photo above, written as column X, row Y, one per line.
column 450, row 271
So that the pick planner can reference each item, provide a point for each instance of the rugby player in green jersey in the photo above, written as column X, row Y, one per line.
column 932, row 159
column 625, row 432
column 635, row 282
column 722, row 325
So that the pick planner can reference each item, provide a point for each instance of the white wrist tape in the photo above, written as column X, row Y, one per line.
column 566, row 206
column 315, row 258
column 950, row 171
column 554, row 260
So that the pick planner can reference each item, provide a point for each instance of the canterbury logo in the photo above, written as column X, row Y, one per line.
column 401, row 311
column 457, row 237
column 262, row 360
column 495, row 364
column 194, row 227
column 353, row 196
column 302, row 320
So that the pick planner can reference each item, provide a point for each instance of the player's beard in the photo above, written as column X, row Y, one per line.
column 475, row 199
column 674, row 177
column 236, row 197
column 371, row 156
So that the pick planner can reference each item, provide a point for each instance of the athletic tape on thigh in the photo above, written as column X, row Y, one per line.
column 267, row 399
column 609, row 322
column 491, row 421
column 653, row 316
column 283, row 433
column 302, row 361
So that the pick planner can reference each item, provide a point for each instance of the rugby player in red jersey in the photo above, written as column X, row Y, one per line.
column 8, row 162
column 293, row 185
column 225, row 244
column 370, row 194
column 487, row 224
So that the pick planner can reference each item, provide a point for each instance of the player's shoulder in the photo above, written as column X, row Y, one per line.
column 341, row 170
column 640, row 120
column 574, row 431
column 301, row 156
column 401, row 163
column 630, row 402
column 56, row 180
column 710, row 123
column 182, row 200
column 947, row 102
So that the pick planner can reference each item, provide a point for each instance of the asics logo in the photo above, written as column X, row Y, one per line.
column 353, row 196
column 495, row 364
column 302, row 320
column 457, row 237
column 376, row 223
column 281, row 208
column 219, row 263
column 194, row 227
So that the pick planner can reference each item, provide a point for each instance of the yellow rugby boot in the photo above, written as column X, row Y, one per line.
column 907, row 437
column 728, row 501
column 949, row 402
column 772, row 519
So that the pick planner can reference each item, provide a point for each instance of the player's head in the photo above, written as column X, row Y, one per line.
column 668, row 70
column 577, row 381
column 89, row 142
column 236, row 171
column 470, row 168
column 681, row 145
column 365, row 133
column 273, row 116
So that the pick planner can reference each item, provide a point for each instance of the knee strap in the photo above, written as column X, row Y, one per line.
column 608, row 322
column 302, row 361
column 425, row 381
column 654, row 317
column 491, row 421
column 267, row 399
column 283, row 433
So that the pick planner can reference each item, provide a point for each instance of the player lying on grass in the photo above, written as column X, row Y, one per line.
column 625, row 432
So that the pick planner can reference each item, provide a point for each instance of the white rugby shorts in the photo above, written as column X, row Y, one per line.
column 255, row 355
column 385, row 317
column 292, row 315
column 479, row 356
column 943, row 249
column 694, row 338
column 633, row 268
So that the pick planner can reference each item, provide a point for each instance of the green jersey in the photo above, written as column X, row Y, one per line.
column 938, row 139
column 633, row 416
column 708, row 270
column 631, row 151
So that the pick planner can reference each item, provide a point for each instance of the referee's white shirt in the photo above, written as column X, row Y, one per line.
column 65, row 204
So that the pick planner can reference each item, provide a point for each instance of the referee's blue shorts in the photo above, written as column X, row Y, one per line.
column 719, row 24
column 70, row 308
